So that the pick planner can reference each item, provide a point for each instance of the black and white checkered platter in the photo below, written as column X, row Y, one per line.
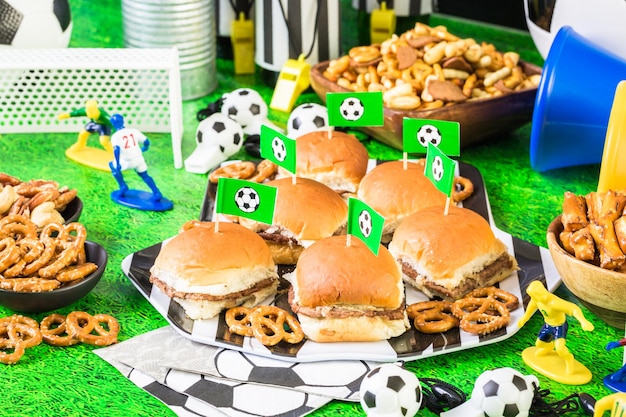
column 535, row 264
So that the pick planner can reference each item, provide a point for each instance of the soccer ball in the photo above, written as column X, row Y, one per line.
column 437, row 168
column 245, row 106
column 351, row 109
column 218, row 130
column 365, row 223
column 428, row 134
column 279, row 149
column 306, row 118
column 600, row 21
column 390, row 390
column 217, row 138
column 35, row 23
column 247, row 199
column 504, row 392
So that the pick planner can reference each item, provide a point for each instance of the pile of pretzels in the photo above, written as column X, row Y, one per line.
column 41, row 261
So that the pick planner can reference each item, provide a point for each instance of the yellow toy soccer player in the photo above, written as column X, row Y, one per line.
column 98, row 123
column 550, row 355
column 616, row 403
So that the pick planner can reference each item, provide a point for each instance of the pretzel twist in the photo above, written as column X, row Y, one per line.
column 432, row 316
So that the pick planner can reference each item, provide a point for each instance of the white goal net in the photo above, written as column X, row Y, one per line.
column 143, row 85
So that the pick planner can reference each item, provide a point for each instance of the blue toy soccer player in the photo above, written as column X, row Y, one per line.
column 128, row 147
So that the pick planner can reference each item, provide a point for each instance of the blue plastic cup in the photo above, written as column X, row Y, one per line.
column 573, row 102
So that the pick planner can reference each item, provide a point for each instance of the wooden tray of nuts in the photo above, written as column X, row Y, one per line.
column 429, row 73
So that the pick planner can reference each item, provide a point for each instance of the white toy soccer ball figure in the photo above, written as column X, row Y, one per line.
column 352, row 109
column 217, row 137
column 428, row 134
column 306, row 118
column 390, row 391
column 35, row 23
column 501, row 392
column 246, row 107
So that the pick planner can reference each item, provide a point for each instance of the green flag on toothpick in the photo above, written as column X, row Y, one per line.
column 278, row 148
column 355, row 108
column 246, row 199
column 440, row 170
column 418, row 133
column 365, row 223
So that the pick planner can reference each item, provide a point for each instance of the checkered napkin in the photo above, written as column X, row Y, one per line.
column 197, row 379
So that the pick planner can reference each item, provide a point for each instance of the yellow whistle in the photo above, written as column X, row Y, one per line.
column 613, row 165
column 242, row 39
column 294, row 78
column 382, row 23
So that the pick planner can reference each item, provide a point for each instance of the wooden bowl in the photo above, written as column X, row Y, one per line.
column 479, row 119
column 600, row 290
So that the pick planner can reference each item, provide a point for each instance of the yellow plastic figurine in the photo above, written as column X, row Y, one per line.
column 616, row 403
column 550, row 355
column 98, row 123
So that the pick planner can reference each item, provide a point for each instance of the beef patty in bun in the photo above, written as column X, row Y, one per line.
column 207, row 271
column 305, row 212
column 447, row 256
column 344, row 293
column 340, row 162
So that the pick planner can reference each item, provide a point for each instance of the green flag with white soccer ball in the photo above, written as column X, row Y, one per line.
column 278, row 148
column 440, row 169
column 246, row 199
column 365, row 223
column 418, row 133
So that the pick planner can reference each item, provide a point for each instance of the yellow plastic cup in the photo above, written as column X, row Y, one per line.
column 613, row 165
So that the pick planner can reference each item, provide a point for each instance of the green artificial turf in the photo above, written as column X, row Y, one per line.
column 51, row 381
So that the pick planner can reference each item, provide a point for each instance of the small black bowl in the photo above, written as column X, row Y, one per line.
column 72, row 210
column 39, row 302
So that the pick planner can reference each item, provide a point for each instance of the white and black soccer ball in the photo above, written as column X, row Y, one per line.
column 428, row 134
column 390, row 390
column 35, row 23
column 247, row 199
column 437, row 168
column 221, row 131
column 279, row 149
column 352, row 109
column 306, row 118
column 504, row 392
column 365, row 223
column 245, row 106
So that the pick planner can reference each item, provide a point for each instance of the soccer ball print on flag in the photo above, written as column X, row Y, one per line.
column 355, row 109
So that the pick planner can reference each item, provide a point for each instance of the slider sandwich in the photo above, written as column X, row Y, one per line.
column 344, row 293
column 207, row 271
column 339, row 161
column 305, row 212
column 396, row 193
column 447, row 256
